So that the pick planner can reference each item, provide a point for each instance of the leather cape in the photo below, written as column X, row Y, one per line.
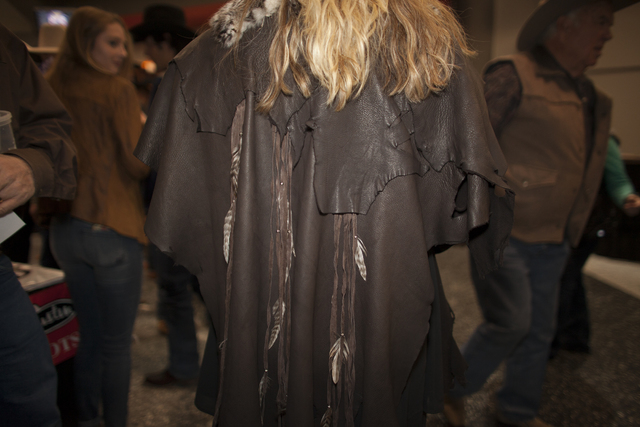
column 268, row 209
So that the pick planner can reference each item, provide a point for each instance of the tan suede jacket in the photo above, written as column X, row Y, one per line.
column 106, row 127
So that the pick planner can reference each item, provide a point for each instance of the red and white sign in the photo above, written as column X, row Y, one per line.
column 58, row 318
column 51, row 299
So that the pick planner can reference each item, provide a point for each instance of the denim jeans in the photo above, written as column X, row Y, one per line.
column 175, row 308
column 28, row 380
column 518, row 303
column 573, row 328
column 104, row 274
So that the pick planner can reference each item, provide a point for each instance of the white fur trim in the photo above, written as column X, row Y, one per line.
column 225, row 21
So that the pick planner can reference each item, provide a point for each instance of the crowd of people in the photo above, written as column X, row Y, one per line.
column 299, row 166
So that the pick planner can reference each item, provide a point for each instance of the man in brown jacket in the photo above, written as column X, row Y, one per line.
column 553, row 126
column 43, row 164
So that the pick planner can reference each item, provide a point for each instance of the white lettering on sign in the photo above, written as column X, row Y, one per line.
column 55, row 314
column 65, row 344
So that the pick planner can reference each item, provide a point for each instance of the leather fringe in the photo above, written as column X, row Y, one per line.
column 281, row 245
column 236, row 150
column 349, row 254
column 284, row 258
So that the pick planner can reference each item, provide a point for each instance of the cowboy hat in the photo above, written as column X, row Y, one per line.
column 49, row 39
column 547, row 12
column 162, row 18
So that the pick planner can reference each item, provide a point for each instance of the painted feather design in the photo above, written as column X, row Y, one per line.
column 361, row 252
column 262, row 391
column 228, row 219
column 327, row 418
column 278, row 314
column 338, row 354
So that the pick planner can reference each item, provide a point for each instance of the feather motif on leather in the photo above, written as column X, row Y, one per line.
column 236, row 147
column 235, row 165
column 278, row 315
column 327, row 418
column 361, row 252
column 262, row 392
column 226, row 21
column 338, row 355
column 228, row 219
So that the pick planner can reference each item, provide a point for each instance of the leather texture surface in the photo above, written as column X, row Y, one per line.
column 418, row 177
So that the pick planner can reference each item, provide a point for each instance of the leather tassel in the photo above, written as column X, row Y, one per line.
column 236, row 144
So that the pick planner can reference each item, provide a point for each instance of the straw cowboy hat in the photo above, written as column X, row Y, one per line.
column 162, row 18
column 49, row 39
column 547, row 12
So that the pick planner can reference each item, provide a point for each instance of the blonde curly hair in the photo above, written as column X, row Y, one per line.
column 341, row 42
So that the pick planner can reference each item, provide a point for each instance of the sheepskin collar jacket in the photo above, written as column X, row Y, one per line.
column 313, row 232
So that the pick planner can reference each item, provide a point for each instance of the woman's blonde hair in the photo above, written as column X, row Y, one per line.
column 341, row 42
column 85, row 25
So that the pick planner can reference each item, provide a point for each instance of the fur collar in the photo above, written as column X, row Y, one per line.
column 225, row 22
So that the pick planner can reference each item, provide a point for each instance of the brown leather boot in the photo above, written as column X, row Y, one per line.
column 454, row 411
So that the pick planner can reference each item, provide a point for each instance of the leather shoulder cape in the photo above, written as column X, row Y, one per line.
column 313, row 234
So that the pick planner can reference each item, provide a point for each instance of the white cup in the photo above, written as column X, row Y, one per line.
column 7, row 142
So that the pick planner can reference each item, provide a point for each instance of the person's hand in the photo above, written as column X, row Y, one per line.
column 16, row 183
column 632, row 205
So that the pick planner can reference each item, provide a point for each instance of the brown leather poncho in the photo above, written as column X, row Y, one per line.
column 313, row 234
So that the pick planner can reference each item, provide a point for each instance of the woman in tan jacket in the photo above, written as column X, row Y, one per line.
column 99, row 243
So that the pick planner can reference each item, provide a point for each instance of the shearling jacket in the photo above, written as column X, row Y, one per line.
column 313, row 233
column 555, row 178
column 106, row 115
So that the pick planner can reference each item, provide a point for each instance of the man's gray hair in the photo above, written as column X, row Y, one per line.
column 551, row 29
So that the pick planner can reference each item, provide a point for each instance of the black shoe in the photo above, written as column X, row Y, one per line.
column 164, row 378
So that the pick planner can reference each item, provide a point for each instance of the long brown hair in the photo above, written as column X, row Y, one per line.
column 85, row 25
column 413, row 42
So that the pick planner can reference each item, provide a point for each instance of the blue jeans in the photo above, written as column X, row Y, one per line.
column 28, row 380
column 104, row 274
column 573, row 330
column 518, row 303
column 175, row 307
